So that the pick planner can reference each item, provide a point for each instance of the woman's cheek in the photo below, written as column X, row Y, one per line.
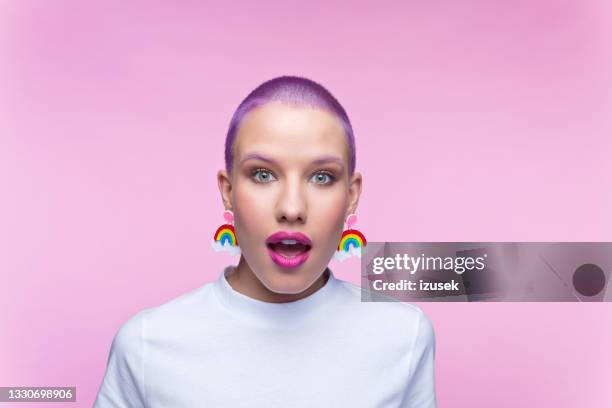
column 330, row 205
column 328, row 211
column 251, row 205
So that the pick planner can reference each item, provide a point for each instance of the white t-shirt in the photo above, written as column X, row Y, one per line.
column 215, row 347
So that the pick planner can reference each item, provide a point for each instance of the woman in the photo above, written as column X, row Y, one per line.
column 278, row 329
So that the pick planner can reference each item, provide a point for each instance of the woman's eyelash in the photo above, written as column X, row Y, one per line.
column 331, row 176
column 257, row 172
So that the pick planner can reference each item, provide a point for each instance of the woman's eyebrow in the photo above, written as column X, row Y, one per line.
column 318, row 161
column 258, row 157
column 328, row 159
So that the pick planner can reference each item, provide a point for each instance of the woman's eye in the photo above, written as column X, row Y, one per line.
column 322, row 178
column 263, row 176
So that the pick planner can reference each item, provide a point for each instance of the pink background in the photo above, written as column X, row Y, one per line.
column 475, row 121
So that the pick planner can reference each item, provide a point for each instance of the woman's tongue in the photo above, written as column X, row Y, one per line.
column 288, row 251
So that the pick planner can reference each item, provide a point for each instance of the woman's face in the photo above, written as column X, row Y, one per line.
column 289, row 175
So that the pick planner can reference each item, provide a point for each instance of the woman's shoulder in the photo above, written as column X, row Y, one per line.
column 194, row 301
column 386, row 314
column 175, row 313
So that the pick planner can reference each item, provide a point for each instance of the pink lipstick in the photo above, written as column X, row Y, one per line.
column 288, row 249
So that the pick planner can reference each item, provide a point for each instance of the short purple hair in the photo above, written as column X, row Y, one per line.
column 295, row 91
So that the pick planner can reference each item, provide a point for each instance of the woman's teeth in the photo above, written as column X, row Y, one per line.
column 289, row 241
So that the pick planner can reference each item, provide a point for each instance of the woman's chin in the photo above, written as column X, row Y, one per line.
column 282, row 282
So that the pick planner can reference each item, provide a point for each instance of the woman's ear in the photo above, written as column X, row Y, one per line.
column 225, row 188
column 354, row 192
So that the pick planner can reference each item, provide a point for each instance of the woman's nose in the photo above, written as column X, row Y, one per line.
column 291, row 206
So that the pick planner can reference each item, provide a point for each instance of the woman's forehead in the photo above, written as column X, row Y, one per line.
column 278, row 130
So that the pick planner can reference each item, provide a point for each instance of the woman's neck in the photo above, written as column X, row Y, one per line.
column 242, row 279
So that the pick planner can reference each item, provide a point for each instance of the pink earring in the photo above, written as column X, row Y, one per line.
column 352, row 241
column 225, row 236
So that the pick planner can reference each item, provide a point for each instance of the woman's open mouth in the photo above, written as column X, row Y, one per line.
column 288, row 249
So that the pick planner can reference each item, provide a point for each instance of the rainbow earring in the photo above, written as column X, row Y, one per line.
column 352, row 241
column 225, row 236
